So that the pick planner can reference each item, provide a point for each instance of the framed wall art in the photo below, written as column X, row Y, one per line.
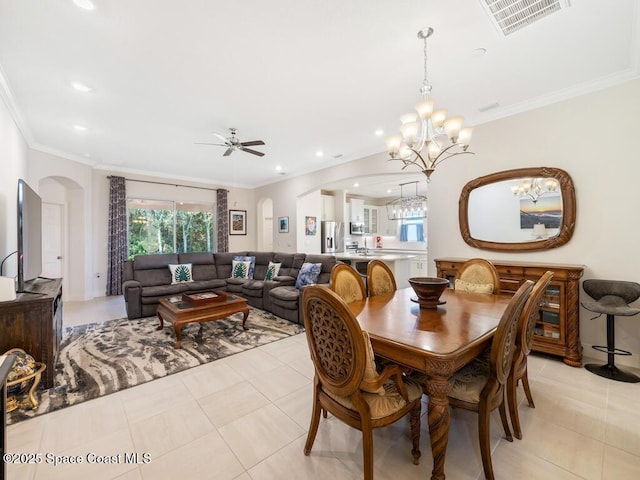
column 237, row 222
column 283, row 224
column 310, row 226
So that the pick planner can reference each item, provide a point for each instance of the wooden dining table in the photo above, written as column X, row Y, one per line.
column 437, row 342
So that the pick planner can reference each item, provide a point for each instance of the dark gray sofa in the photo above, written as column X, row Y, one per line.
column 147, row 278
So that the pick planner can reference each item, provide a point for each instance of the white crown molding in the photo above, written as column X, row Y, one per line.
column 559, row 95
column 172, row 178
column 9, row 99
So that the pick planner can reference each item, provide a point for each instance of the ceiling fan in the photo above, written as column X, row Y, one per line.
column 233, row 143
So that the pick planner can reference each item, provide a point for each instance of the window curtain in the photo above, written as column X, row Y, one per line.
column 117, row 247
column 404, row 237
column 222, row 221
column 404, row 232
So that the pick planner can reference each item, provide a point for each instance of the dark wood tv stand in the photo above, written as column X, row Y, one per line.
column 33, row 322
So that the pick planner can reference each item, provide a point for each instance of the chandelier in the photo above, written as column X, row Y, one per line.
column 534, row 188
column 413, row 206
column 428, row 137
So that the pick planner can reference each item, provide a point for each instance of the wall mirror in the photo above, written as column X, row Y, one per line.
column 524, row 209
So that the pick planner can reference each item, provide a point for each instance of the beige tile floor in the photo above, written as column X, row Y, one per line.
column 246, row 417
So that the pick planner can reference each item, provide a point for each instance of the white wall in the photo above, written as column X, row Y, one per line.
column 309, row 205
column 13, row 152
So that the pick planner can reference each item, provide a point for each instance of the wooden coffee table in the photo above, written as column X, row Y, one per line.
column 179, row 313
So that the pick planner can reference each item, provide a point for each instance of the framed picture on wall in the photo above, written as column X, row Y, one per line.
column 283, row 224
column 237, row 222
column 310, row 225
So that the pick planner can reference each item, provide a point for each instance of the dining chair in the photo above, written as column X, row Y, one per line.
column 347, row 283
column 480, row 385
column 478, row 275
column 380, row 278
column 346, row 382
column 524, row 339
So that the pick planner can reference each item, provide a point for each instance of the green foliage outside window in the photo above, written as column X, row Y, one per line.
column 165, row 227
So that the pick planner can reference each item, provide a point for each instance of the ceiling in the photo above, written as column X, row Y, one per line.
column 304, row 76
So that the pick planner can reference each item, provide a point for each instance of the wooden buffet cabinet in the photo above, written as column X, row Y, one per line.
column 557, row 331
column 33, row 322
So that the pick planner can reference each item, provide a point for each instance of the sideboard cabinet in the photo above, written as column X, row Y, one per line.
column 557, row 330
column 33, row 322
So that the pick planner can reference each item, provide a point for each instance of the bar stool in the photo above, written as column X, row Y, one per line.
column 611, row 297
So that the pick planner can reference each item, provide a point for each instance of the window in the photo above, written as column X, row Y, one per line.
column 161, row 226
column 412, row 229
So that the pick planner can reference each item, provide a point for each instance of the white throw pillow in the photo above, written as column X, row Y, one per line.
column 240, row 269
column 180, row 273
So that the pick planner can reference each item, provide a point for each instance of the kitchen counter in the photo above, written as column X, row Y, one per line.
column 399, row 262
column 372, row 254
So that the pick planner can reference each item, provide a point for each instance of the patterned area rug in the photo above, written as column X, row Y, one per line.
column 101, row 358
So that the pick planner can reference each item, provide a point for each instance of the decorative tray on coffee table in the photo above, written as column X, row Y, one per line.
column 202, row 298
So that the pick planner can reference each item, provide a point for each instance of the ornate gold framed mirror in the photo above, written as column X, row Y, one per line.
column 518, row 210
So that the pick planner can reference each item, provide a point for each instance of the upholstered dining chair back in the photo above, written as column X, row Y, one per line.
column 478, row 275
column 480, row 386
column 380, row 278
column 346, row 381
column 347, row 283
column 524, row 340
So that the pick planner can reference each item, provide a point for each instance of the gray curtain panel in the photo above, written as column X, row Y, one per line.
column 222, row 220
column 118, row 248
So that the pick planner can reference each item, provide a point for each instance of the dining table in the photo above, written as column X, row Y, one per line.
column 435, row 341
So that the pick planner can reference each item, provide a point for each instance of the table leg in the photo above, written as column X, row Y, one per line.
column 244, row 320
column 177, row 326
column 159, row 314
column 439, row 418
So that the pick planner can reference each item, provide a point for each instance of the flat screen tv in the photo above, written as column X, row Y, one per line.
column 29, row 234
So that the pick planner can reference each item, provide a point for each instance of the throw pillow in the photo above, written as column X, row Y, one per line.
column 473, row 287
column 240, row 269
column 180, row 273
column 272, row 270
column 370, row 370
column 252, row 260
column 308, row 274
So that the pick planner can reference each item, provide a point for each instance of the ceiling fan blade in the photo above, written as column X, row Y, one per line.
column 252, row 143
column 248, row 150
column 224, row 139
column 228, row 152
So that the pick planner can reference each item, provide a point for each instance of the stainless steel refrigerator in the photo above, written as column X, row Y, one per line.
column 332, row 236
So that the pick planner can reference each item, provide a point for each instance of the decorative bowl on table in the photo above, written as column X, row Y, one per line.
column 428, row 290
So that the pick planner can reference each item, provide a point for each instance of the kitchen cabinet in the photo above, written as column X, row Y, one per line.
column 328, row 207
column 370, row 219
column 418, row 266
column 357, row 210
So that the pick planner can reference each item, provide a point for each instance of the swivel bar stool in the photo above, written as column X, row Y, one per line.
column 611, row 297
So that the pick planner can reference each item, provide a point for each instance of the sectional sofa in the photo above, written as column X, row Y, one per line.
column 147, row 278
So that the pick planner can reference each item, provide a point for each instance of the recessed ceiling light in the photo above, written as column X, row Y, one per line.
column 379, row 132
column 278, row 168
column 356, row 184
column 85, row 4
column 81, row 87
column 478, row 52
column 80, row 128
column 319, row 153
column 388, row 190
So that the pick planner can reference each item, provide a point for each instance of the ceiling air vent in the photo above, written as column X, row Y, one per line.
column 512, row 15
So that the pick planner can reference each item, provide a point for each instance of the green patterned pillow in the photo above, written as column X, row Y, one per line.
column 240, row 269
column 180, row 273
column 272, row 271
